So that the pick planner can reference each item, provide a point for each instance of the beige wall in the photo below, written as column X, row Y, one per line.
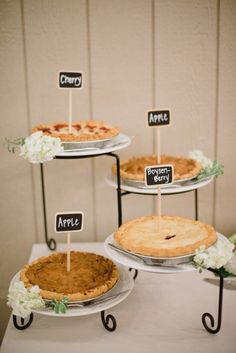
column 135, row 55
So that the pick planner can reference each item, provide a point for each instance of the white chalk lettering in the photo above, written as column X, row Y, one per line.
column 70, row 222
column 157, row 171
column 158, row 118
column 76, row 81
column 165, row 178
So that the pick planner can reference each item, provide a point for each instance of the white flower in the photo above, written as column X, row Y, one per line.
column 231, row 265
column 216, row 256
column 23, row 300
column 39, row 148
column 201, row 158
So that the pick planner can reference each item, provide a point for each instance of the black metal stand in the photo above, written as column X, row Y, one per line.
column 108, row 321
column 123, row 193
column 209, row 316
column 196, row 204
column 51, row 243
column 135, row 273
column 24, row 324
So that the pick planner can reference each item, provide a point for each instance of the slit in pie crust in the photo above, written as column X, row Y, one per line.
column 90, row 276
column 177, row 236
column 86, row 130
column 133, row 168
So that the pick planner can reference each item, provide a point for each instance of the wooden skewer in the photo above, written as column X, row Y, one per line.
column 68, row 252
column 70, row 111
column 158, row 188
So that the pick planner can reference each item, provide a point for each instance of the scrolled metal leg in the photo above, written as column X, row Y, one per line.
column 210, row 317
column 109, row 321
column 135, row 273
column 52, row 244
column 22, row 325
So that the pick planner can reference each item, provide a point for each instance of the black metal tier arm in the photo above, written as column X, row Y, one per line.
column 51, row 243
column 23, row 323
column 118, row 189
column 108, row 321
column 209, row 316
column 123, row 193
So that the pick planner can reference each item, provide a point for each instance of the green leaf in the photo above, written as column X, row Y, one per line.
column 59, row 306
column 221, row 272
column 215, row 169
column 62, row 308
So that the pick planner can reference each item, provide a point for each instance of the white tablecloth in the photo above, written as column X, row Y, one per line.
column 162, row 314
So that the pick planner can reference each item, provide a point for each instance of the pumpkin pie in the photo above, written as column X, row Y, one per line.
column 169, row 236
column 133, row 168
column 90, row 276
column 86, row 130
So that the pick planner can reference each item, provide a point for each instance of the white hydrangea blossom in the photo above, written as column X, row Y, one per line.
column 216, row 256
column 23, row 300
column 201, row 158
column 39, row 148
column 231, row 265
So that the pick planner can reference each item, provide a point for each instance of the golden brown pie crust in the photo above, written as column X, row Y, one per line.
column 86, row 130
column 133, row 168
column 177, row 236
column 90, row 276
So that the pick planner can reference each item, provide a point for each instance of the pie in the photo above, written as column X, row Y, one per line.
column 133, row 168
column 87, row 130
column 175, row 236
column 90, row 275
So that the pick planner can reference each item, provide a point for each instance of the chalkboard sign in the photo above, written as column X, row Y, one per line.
column 158, row 117
column 159, row 174
column 69, row 222
column 70, row 79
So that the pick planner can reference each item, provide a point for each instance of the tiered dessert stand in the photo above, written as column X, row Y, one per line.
column 109, row 149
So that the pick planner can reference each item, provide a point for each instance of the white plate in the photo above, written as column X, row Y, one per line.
column 171, row 189
column 139, row 265
column 71, row 146
column 115, row 144
column 125, row 285
column 141, row 184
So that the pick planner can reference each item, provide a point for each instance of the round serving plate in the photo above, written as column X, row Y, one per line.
column 115, row 296
column 175, row 188
column 73, row 145
column 134, row 262
column 114, row 144
column 141, row 183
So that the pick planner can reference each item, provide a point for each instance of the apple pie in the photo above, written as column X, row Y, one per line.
column 168, row 236
column 88, row 130
column 90, row 276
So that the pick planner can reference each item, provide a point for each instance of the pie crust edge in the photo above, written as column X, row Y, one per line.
column 88, row 294
column 119, row 237
column 70, row 137
column 130, row 176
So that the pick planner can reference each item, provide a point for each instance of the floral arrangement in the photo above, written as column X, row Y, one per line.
column 219, row 258
column 23, row 300
column 209, row 167
column 36, row 148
